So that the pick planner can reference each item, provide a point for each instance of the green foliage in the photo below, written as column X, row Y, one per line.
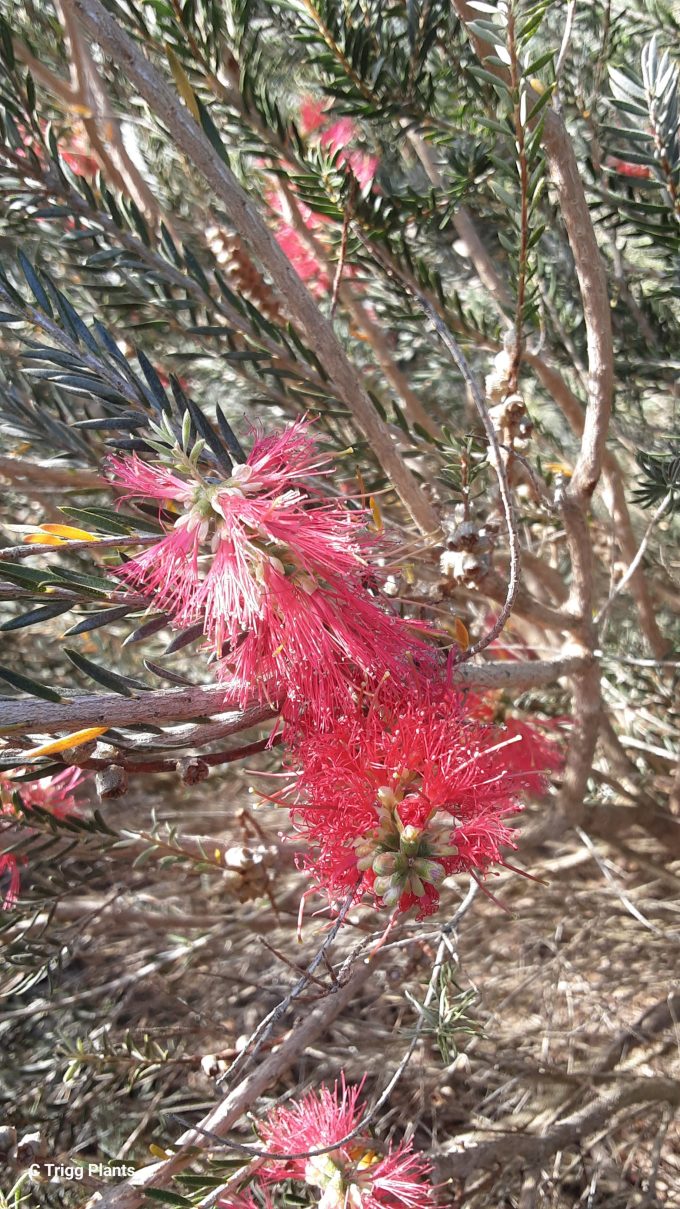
column 661, row 478
column 449, row 1018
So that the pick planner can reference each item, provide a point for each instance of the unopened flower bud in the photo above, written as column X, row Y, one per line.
column 430, row 871
column 392, row 895
column 410, row 840
column 385, row 863
column 384, row 885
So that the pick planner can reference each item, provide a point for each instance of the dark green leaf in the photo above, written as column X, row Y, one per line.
column 34, row 282
column 45, row 613
column 27, row 685
column 118, row 684
column 95, row 620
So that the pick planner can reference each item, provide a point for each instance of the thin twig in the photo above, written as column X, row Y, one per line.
column 445, row 945
column 13, row 554
column 628, row 575
column 496, row 459
column 519, row 112
column 564, row 49
column 266, row 1026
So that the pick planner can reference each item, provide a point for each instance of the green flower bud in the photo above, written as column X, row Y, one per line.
column 385, row 863
column 410, row 840
column 431, row 872
column 391, row 897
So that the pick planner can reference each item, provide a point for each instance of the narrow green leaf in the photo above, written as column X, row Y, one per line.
column 91, row 583
column 45, row 613
column 34, row 282
column 95, row 620
column 541, row 103
column 112, row 522
column 489, row 78
column 162, row 1194
column 26, row 685
column 533, row 68
column 118, row 684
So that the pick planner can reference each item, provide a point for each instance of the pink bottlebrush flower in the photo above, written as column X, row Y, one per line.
column 54, row 794
column 339, row 136
column 245, row 1200
column 363, row 167
column 298, row 250
column 408, row 792
column 352, row 1176
column 275, row 571
column 536, row 753
column 308, row 268
column 313, row 114
column 9, row 865
column 336, row 138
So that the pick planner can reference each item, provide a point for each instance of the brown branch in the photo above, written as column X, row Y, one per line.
column 526, row 606
column 66, row 93
column 48, row 475
column 463, row 224
column 528, row 1148
column 361, row 317
column 495, row 458
column 189, row 137
column 654, row 1020
column 101, row 125
column 14, row 554
column 590, row 272
column 30, row 716
column 520, row 675
column 615, row 499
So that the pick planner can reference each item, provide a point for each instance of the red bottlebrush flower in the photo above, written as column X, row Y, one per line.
column 313, row 115
column 626, row 168
column 9, row 865
column 352, row 1176
column 55, row 794
column 534, row 756
column 407, row 793
column 274, row 571
column 536, row 753
column 336, row 138
column 81, row 162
